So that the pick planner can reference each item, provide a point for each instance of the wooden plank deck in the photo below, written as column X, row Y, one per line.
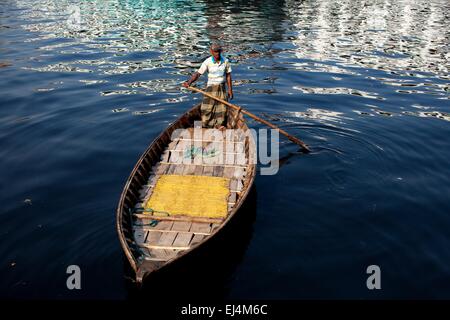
column 168, row 236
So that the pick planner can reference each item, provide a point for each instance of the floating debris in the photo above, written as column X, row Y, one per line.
column 141, row 113
column 363, row 113
column 435, row 114
column 4, row 64
column 257, row 91
column 383, row 113
column 44, row 89
column 120, row 110
column 176, row 100
column 28, row 201
column 113, row 92
column 428, row 114
column 244, row 81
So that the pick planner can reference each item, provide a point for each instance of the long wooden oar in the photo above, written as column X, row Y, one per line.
column 251, row 115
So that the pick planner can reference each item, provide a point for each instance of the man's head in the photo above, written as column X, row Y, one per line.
column 215, row 49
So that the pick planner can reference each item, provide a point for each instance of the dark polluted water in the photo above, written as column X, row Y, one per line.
column 365, row 84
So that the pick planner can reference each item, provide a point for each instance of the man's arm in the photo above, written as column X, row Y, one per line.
column 230, row 86
column 193, row 78
column 203, row 68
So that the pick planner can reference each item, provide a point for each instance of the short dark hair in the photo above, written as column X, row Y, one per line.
column 215, row 47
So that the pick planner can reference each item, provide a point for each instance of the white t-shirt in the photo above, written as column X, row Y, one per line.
column 216, row 70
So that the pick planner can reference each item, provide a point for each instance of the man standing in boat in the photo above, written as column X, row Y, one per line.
column 219, row 72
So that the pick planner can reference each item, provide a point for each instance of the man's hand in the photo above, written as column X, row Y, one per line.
column 230, row 94
column 193, row 78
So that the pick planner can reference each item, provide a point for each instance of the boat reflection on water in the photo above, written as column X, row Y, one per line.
column 205, row 272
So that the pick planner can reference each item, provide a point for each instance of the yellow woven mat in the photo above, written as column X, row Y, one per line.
column 196, row 196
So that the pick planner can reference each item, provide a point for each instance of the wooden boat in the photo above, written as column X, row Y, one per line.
column 151, row 241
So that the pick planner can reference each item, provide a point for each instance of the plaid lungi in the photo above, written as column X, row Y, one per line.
column 214, row 113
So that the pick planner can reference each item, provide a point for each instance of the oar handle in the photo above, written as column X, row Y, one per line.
column 251, row 115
